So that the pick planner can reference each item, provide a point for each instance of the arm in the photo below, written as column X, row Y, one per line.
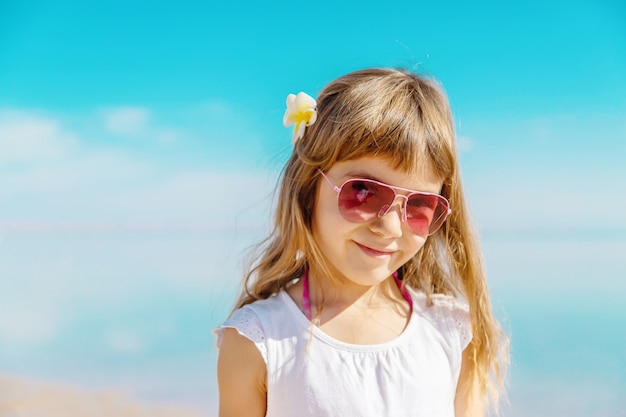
column 241, row 377
column 467, row 401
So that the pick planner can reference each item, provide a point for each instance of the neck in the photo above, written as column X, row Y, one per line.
column 344, row 293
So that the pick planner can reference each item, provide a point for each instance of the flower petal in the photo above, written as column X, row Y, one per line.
column 305, row 101
column 291, row 98
column 288, row 118
column 298, row 131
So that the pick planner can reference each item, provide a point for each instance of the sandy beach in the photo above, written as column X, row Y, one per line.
column 22, row 397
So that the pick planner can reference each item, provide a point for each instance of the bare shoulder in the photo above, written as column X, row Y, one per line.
column 241, row 376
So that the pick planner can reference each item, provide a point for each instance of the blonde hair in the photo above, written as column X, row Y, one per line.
column 406, row 119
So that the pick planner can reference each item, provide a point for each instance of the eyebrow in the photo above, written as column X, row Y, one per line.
column 363, row 175
column 366, row 176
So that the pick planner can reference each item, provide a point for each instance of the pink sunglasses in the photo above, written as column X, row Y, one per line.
column 361, row 200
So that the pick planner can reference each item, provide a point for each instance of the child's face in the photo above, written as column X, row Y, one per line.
column 368, row 253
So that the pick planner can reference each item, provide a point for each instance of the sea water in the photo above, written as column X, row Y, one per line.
column 134, row 312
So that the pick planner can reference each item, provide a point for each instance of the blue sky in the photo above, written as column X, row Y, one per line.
column 141, row 91
column 140, row 141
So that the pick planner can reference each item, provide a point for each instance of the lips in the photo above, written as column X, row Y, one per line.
column 374, row 252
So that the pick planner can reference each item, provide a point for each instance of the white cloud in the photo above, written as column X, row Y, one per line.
column 80, row 175
column 218, row 108
column 39, row 154
column 544, row 200
column 202, row 197
column 168, row 136
column 108, row 194
column 126, row 120
column 33, row 137
column 138, row 122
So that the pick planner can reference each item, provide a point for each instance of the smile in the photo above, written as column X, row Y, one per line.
column 373, row 252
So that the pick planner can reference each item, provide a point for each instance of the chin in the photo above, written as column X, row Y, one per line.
column 369, row 278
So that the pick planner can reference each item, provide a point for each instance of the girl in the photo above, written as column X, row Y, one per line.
column 369, row 298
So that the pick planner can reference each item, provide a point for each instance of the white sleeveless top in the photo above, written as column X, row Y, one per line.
column 312, row 374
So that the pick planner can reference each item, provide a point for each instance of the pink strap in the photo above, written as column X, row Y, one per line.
column 306, row 299
column 403, row 290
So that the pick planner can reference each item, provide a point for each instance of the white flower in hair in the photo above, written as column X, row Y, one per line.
column 301, row 111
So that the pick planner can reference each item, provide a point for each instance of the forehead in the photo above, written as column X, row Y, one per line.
column 421, row 178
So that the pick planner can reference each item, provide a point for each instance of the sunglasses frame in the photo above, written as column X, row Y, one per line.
column 406, row 198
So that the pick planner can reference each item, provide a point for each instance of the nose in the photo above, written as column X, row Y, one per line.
column 386, row 208
column 391, row 217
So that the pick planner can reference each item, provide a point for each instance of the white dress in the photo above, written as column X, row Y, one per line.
column 312, row 374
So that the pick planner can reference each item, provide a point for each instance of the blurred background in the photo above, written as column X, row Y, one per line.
column 140, row 143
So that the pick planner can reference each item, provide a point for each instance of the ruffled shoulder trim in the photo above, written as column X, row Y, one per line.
column 247, row 324
column 448, row 314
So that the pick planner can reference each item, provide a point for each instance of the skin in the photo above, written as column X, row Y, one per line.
column 465, row 404
column 363, row 305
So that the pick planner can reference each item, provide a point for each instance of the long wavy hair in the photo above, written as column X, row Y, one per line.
column 406, row 119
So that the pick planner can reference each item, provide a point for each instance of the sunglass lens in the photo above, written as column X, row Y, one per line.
column 425, row 213
column 362, row 200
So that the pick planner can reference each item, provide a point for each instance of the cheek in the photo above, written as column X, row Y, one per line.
column 413, row 244
column 326, row 220
column 325, row 210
